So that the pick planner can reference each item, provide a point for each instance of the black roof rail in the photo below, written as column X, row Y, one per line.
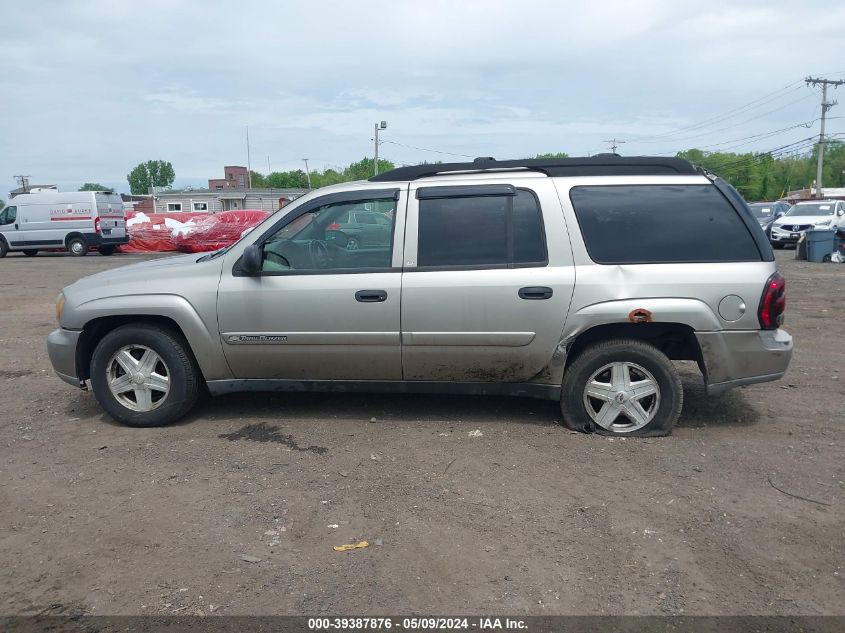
column 601, row 165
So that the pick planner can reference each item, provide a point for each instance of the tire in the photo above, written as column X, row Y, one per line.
column 4, row 248
column 106, row 250
column 826, row 259
column 642, row 362
column 30, row 252
column 77, row 247
column 175, row 367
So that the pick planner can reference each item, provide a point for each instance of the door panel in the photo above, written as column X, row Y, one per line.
column 310, row 327
column 339, row 321
column 484, row 323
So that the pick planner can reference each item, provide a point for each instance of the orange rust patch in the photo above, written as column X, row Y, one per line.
column 640, row 315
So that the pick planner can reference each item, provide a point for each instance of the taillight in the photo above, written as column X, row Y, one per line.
column 334, row 226
column 96, row 225
column 772, row 303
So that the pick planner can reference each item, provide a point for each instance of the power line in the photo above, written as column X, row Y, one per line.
column 426, row 149
column 731, row 113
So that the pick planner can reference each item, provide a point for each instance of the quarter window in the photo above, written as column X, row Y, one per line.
column 481, row 231
column 652, row 224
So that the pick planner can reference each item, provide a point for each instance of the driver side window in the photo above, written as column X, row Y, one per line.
column 333, row 238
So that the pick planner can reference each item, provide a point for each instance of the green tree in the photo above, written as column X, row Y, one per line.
column 258, row 180
column 153, row 173
column 553, row 155
column 93, row 186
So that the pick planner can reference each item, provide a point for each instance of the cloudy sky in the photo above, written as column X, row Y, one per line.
column 91, row 88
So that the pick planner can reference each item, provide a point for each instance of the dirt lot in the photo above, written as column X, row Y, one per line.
column 526, row 518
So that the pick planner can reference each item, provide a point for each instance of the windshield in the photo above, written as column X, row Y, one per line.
column 762, row 211
column 811, row 209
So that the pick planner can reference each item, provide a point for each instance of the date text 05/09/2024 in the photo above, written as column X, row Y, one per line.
column 418, row 623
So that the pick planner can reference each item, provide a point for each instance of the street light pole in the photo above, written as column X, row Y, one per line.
column 377, row 126
column 307, row 173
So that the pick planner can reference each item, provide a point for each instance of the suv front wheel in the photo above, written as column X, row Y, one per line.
column 622, row 387
column 144, row 375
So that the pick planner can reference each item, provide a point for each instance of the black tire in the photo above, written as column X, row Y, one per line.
column 77, row 247
column 106, row 250
column 30, row 252
column 667, row 406
column 182, row 371
column 4, row 248
column 777, row 245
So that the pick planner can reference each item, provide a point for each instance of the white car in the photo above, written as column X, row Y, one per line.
column 818, row 214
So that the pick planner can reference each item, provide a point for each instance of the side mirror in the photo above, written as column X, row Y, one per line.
column 251, row 260
column 840, row 213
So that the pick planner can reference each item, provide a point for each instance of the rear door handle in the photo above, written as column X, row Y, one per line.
column 371, row 296
column 535, row 293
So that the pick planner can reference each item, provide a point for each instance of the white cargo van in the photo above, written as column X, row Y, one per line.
column 76, row 221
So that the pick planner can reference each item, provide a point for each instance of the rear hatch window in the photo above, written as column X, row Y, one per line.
column 653, row 224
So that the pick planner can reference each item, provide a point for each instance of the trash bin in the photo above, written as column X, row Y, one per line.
column 820, row 244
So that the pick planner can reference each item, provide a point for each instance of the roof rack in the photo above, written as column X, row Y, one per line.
column 601, row 165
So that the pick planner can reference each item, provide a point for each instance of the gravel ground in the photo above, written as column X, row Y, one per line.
column 470, row 504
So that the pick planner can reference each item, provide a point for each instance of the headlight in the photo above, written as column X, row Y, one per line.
column 60, row 306
column 825, row 223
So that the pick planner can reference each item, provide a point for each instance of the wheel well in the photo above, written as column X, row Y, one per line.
column 676, row 340
column 70, row 236
column 96, row 329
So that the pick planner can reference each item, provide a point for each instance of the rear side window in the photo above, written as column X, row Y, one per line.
column 652, row 224
column 481, row 231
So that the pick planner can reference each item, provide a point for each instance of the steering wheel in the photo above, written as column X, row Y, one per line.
column 319, row 253
column 277, row 259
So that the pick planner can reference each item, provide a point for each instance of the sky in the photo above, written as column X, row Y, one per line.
column 89, row 89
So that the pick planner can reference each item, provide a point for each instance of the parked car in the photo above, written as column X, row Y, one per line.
column 819, row 214
column 363, row 228
column 76, row 221
column 577, row 280
column 767, row 212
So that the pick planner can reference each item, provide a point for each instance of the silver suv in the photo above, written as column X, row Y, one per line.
column 578, row 280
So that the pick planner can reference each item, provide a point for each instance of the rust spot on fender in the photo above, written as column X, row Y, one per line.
column 640, row 315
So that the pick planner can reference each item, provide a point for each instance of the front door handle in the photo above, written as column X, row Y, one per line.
column 535, row 293
column 371, row 296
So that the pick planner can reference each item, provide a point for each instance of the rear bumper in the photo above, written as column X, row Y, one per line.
column 61, row 347
column 732, row 359
column 94, row 239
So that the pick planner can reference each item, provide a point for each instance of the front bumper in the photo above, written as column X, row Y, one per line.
column 739, row 358
column 61, row 347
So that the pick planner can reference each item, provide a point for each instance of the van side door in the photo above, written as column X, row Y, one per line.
column 487, row 280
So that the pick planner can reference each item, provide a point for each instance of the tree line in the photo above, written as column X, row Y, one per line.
column 757, row 176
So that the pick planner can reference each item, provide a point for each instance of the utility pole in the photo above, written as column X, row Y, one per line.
column 614, row 143
column 307, row 173
column 378, row 126
column 815, row 81
column 248, row 163
column 23, row 181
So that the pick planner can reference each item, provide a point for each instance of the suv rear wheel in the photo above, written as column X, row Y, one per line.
column 144, row 375
column 622, row 387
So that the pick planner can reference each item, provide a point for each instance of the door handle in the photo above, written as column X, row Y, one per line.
column 535, row 293
column 371, row 296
